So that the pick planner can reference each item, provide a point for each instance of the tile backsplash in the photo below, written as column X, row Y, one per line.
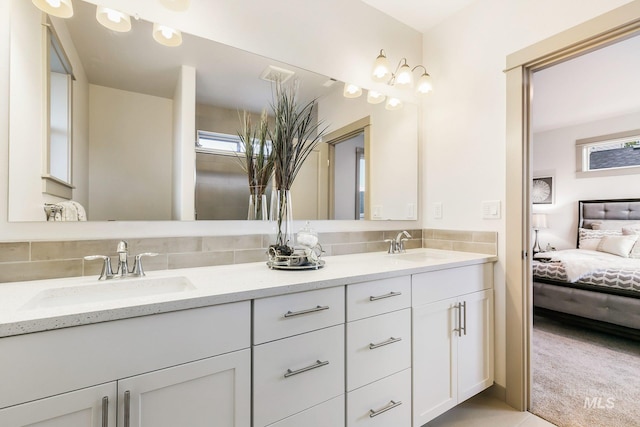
column 53, row 259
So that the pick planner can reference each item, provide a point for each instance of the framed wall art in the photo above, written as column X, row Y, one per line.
column 543, row 190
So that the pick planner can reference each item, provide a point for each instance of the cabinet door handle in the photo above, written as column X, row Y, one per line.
column 459, row 328
column 307, row 311
column 387, row 407
column 105, row 411
column 391, row 340
column 318, row 364
column 389, row 295
column 464, row 322
column 127, row 408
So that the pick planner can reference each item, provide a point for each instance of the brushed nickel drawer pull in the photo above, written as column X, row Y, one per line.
column 388, row 407
column 105, row 411
column 389, row 295
column 307, row 311
column 464, row 322
column 391, row 340
column 459, row 328
column 318, row 364
column 127, row 408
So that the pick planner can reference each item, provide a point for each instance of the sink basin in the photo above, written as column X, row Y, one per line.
column 114, row 289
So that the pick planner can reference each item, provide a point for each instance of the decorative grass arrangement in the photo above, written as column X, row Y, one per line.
column 257, row 161
column 295, row 135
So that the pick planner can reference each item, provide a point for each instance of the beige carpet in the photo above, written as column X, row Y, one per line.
column 583, row 378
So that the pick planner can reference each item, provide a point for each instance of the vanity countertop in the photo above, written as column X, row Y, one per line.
column 27, row 307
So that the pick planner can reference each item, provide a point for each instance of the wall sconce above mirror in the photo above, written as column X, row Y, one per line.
column 402, row 77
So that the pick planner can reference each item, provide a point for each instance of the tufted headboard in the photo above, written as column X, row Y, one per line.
column 612, row 211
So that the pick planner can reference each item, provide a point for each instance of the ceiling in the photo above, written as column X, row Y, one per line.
column 595, row 86
column 419, row 14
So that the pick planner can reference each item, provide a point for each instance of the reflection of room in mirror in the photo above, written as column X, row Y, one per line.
column 144, row 157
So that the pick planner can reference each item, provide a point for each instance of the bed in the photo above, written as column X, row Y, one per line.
column 598, row 283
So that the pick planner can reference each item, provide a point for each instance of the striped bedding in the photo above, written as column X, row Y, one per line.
column 590, row 268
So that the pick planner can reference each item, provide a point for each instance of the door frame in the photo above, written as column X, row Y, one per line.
column 606, row 29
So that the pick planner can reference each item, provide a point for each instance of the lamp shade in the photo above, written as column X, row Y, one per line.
column 404, row 77
column 374, row 97
column 166, row 35
column 381, row 68
column 58, row 8
column 351, row 90
column 113, row 19
column 176, row 5
column 424, row 84
column 393, row 104
column 539, row 220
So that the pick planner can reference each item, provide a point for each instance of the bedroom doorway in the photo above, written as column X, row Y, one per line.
column 576, row 375
column 604, row 30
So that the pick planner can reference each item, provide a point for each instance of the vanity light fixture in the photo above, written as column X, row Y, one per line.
column 393, row 104
column 58, row 8
column 351, row 90
column 374, row 97
column 403, row 75
column 176, row 5
column 113, row 19
column 166, row 35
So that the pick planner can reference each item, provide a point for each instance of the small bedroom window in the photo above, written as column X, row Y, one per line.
column 615, row 154
column 222, row 143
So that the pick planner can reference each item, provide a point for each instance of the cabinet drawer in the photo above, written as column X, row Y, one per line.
column 296, row 373
column 385, row 403
column 378, row 297
column 378, row 347
column 287, row 315
column 442, row 284
column 327, row 414
column 62, row 360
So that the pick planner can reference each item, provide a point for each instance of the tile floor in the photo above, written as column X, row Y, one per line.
column 486, row 411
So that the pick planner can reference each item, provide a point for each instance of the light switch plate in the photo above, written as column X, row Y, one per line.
column 491, row 209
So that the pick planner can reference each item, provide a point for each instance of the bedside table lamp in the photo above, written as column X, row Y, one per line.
column 538, row 221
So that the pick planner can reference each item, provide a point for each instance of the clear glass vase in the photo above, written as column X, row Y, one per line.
column 282, row 213
column 257, row 207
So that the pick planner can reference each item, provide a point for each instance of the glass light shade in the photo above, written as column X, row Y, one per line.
column 176, row 5
column 393, row 104
column 381, row 69
column 374, row 97
column 351, row 90
column 404, row 78
column 166, row 35
column 58, row 8
column 424, row 84
column 113, row 19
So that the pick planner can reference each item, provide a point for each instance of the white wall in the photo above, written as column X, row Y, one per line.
column 183, row 163
column 554, row 153
column 129, row 181
column 464, row 126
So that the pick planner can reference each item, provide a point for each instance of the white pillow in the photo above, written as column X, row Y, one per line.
column 590, row 239
column 617, row 245
column 612, row 224
column 633, row 231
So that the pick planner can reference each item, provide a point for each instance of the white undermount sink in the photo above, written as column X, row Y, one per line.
column 422, row 256
column 114, row 289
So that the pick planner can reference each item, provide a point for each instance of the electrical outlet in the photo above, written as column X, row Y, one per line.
column 437, row 210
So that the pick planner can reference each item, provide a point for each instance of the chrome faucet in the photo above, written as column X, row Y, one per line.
column 123, row 264
column 396, row 245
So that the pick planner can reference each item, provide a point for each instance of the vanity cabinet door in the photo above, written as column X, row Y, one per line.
column 89, row 407
column 214, row 391
column 435, row 355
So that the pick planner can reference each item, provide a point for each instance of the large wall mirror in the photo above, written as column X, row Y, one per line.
column 128, row 91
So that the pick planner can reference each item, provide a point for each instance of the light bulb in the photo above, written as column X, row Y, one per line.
column 381, row 68
column 393, row 104
column 54, row 3
column 113, row 15
column 113, row 19
column 404, row 78
column 167, row 35
column 57, row 8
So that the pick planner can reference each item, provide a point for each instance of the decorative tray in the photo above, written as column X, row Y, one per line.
column 284, row 265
